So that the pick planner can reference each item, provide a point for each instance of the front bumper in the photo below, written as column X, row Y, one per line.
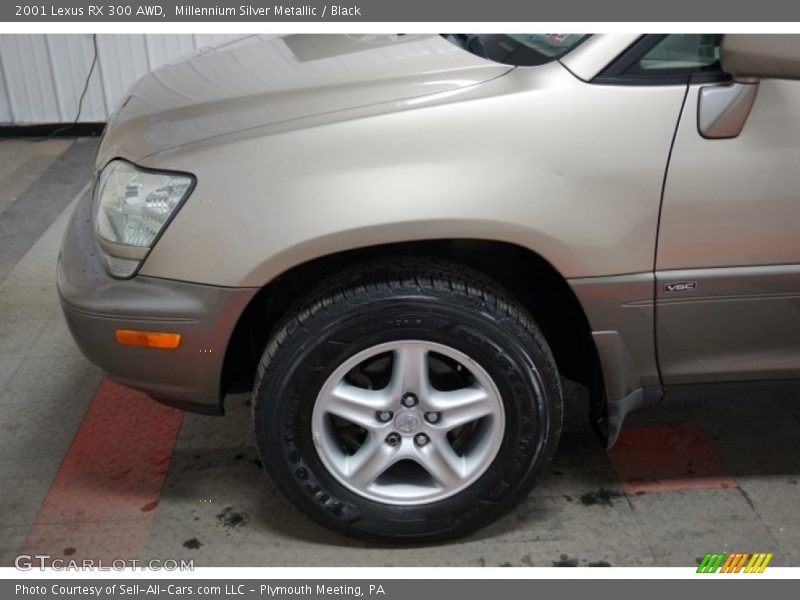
column 96, row 305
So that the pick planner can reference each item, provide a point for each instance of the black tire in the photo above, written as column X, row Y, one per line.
column 406, row 298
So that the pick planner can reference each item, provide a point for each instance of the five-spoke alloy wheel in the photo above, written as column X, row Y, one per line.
column 371, row 440
column 406, row 400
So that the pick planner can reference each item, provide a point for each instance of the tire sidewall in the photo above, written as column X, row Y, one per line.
column 513, row 359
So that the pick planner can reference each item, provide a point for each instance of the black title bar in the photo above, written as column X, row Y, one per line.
column 367, row 11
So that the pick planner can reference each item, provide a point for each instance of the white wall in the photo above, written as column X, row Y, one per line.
column 43, row 75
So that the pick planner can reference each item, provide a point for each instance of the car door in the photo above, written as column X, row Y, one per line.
column 728, row 252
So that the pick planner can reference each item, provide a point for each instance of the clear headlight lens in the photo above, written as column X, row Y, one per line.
column 132, row 206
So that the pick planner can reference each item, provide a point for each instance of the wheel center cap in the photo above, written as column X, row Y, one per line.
column 408, row 422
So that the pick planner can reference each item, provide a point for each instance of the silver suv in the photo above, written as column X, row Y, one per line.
column 401, row 244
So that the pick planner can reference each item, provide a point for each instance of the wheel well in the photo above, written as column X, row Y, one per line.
column 530, row 278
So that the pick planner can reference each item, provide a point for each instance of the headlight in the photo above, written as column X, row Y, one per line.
column 132, row 207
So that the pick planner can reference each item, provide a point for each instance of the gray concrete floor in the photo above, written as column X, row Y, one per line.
column 581, row 513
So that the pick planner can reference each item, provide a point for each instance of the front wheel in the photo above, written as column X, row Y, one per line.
column 407, row 400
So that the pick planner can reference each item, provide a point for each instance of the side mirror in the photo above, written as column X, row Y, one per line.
column 723, row 109
column 749, row 57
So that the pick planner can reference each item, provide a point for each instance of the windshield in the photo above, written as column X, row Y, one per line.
column 520, row 50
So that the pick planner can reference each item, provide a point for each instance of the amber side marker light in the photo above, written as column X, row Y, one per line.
column 150, row 339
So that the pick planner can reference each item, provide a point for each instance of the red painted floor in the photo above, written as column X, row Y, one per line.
column 102, row 500
column 665, row 459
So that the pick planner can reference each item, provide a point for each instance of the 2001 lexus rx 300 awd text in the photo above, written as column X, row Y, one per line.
column 402, row 244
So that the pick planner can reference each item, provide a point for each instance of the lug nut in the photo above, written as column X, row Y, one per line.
column 421, row 439
column 393, row 439
column 384, row 416
column 432, row 416
column 408, row 400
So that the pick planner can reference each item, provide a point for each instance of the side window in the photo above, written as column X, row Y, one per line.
column 667, row 59
column 682, row 52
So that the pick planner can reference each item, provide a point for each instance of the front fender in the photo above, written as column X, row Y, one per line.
column 536, row 158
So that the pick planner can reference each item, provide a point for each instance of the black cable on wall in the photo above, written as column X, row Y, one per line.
column 74, row 123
